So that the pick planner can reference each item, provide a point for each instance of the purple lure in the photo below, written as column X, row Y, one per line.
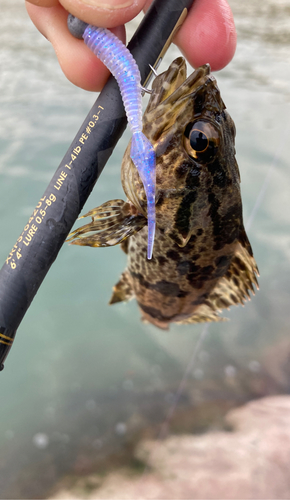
column 113, row 53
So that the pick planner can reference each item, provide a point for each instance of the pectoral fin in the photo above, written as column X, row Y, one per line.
column 123, row 290
column 112, row 223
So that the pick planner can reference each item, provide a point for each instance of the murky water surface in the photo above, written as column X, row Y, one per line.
column 85, row 381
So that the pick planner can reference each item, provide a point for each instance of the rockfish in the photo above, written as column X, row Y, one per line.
column 202, row 259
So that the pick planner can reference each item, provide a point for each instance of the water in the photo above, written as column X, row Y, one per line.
column 85, row 381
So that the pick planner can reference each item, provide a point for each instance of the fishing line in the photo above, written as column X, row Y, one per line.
column 269, row 173
column 188, row 370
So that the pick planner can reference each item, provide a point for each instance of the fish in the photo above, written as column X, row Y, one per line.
column 202, row 259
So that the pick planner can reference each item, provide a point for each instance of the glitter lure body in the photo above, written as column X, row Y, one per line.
column 113, row 53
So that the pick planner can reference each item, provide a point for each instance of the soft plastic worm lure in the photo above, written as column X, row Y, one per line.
column 111, row 51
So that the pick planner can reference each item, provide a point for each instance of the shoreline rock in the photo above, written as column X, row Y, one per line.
column 251, row 461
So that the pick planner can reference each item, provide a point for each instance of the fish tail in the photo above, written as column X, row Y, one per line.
column 143, row 156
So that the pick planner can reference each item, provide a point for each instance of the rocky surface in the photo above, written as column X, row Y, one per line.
column 249, row 461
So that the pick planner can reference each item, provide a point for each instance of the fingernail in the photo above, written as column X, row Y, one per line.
column 114, row 5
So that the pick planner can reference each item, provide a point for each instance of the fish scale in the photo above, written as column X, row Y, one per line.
column 202, row 260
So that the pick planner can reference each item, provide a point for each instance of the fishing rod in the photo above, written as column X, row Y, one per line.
column 46, row 230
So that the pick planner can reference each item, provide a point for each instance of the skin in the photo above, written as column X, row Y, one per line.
column 208, row 34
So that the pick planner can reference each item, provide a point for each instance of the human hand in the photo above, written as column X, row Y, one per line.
column 207, row 35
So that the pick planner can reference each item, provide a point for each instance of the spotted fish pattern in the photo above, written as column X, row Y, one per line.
column 202, row 260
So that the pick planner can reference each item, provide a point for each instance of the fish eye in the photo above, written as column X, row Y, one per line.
column 201, row 140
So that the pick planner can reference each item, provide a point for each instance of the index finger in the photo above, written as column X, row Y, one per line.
column 208, row 34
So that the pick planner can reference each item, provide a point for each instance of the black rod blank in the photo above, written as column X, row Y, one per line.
column 44, row 234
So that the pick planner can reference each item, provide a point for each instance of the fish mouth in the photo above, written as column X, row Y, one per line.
column 191, row 84
column 175, row 96
column 172, row 83
column 170, row 104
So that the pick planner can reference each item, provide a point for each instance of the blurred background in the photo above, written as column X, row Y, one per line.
column 85, row 382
